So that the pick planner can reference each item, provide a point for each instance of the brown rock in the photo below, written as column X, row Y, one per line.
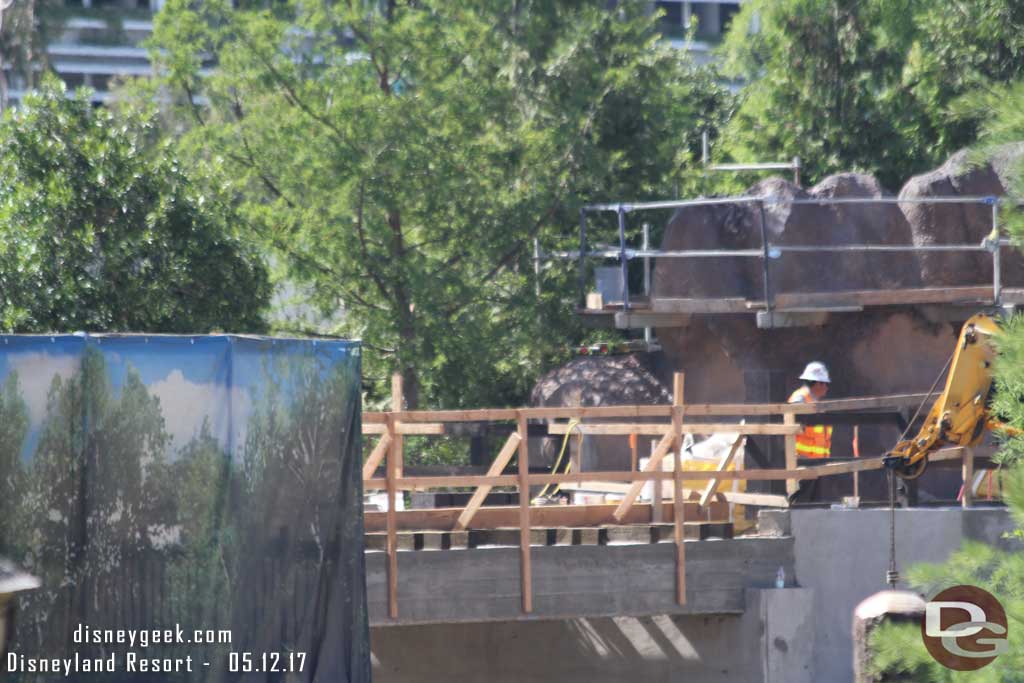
column 961, row 223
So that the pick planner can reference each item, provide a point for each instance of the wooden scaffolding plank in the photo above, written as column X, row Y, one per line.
column 654, row 429
column 644, row 411
column 885, row 297
column 526, row 574
column 792, row 486
column 392, row 524
column 677, row 487
column 494, row 517
column 726, row 305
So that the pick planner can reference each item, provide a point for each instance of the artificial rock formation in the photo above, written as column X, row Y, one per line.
column 630, row 379
column 726, row 357
column 601, row 381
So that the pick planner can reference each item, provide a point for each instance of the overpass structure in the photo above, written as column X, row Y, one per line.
column 548, row 574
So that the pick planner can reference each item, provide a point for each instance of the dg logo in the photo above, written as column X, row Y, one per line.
column 964, row 628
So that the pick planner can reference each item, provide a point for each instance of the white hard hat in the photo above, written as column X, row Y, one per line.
column 815, row 372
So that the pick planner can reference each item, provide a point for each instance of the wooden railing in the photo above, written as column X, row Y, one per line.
column 393, row 425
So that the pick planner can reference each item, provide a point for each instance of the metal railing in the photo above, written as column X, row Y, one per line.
column 768, row 250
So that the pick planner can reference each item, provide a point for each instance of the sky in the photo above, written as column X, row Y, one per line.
column 195, row 377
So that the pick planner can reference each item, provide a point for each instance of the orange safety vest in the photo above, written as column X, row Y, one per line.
column 816, row 440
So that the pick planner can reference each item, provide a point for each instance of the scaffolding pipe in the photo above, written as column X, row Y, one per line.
column 647, row 276
column 623, row 261
column 645, row 251
column 973, row 199
column 747, row 199
column 536, row 267
column 766, row 166
column 997, row 283
column 654, row 253
column 581, row 263
column 807, row 249
column 764, row 265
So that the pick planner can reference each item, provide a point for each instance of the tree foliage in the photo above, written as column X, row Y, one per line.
column 24, row 28
column 99, row 230
column 899, row 651
column 400, row 157
column 867, row 85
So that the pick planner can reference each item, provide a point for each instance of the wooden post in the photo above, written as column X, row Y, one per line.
column 967, row 497
column 792, row 485
column 677, row 485
column 632, row 452
column 397, row 405
column 392, row 520
column 856, row 454
column 526, row 578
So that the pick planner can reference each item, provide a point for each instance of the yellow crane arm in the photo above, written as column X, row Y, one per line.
column 960, row 415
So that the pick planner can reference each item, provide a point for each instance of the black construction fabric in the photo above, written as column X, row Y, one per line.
column 169, row 490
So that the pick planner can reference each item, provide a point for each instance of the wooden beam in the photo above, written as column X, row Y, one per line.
column 647, row 411
column 653, row 463
column 967, row 496
column 376, row 456
column 541, row 516
column 397, row 404
column 392, row 531
column 425, row 428
column 864, row 403
column 525, row 573
column 497, row 467
column 738, row 497
column 426, row 483
column 885, row 297
column 797, row 473
column 654, row 429
column 757, row 499
column 677, row 486
column 723, row 465
column 728, row 305
column 791, row 486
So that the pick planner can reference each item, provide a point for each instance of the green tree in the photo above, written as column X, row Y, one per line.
column 400, row 157
column 13, row 430
column 866, row 85
column 900, row 649
column 24, row 27
column 101, row 230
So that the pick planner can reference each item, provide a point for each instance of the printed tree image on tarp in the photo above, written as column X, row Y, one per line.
column 201, row 494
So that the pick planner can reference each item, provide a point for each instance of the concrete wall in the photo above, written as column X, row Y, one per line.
column 482, row 584
column 843, row 556
column 771, row 642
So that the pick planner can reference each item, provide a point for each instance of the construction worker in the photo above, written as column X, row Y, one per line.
column 816, row 440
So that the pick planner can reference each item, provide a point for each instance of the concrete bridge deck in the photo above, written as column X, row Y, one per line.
column 605, row 614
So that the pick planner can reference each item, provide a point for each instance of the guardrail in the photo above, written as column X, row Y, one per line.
column 393, row 425
column 768, row 249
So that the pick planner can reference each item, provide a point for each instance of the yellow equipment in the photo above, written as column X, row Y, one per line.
column 960, row 416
